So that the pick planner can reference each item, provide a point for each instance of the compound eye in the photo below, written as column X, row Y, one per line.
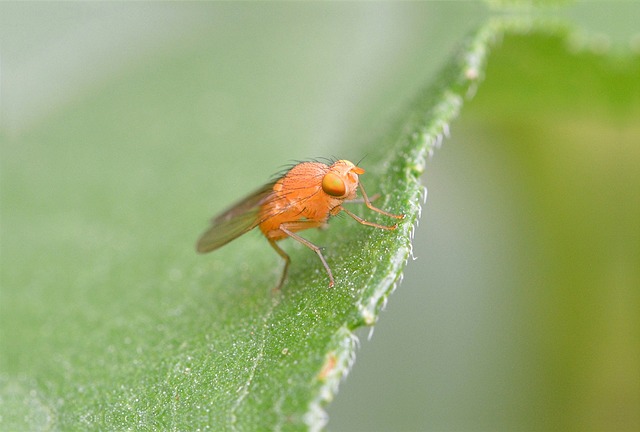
column 333, row 185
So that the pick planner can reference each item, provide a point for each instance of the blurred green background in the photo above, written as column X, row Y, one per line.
column 521, row 310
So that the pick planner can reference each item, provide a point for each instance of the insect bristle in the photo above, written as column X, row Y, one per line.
column 361, row 159
column 284, row 169
column 325, row 160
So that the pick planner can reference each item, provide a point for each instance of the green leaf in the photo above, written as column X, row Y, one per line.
column 111, row 321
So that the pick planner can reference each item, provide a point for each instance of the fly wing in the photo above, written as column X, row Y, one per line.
column 237, row 220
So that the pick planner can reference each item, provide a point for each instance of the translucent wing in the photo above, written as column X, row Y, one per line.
column 237, row 220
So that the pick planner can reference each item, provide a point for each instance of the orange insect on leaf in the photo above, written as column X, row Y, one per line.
column 305, row 197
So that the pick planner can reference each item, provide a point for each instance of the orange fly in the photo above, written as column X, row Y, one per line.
column 305, row 197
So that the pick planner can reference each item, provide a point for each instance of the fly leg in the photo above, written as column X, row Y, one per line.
column 287, row 261
column 361, row 200
column 367, row 202
column 308, row 244
column 371, row 224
